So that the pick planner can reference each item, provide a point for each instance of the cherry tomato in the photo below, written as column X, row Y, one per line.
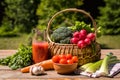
column 55, row 59
column 62, row 56
column 69, row 61
column 68, row 56
column 75, row 59
column 63, row 61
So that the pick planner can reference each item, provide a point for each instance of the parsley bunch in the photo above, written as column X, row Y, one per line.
column 22, row 58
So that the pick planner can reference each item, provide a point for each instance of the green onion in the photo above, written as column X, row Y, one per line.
column 85, row 66
column 95, row 66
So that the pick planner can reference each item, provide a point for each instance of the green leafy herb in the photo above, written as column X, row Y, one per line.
column 81, row 25
column 22, row 58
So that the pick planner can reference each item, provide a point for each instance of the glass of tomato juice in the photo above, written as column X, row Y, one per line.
column 39, row 51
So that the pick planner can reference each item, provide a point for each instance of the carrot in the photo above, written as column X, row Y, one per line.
column 47, row 65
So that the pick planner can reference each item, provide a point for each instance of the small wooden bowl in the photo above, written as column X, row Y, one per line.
column 65, row 68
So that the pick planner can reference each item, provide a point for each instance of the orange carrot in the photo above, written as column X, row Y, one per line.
column 47, row 65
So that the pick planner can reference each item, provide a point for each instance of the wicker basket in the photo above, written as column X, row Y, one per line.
column 85, row 55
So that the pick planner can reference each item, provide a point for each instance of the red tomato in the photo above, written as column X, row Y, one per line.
column 62, row 56
column 69, row 61
column 55, row 59
column 75, row 59
column 68, row 56
column 63, row 61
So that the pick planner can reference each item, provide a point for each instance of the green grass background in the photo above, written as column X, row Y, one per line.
column 12, row 42
column 107, row 42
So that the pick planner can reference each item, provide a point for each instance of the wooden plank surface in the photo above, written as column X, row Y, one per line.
column 7, row 74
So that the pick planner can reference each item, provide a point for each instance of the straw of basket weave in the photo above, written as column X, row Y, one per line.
column 86, row 54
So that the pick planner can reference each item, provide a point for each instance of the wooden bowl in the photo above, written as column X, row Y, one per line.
column 65, row 68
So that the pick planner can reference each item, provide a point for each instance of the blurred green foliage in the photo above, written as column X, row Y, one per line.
column 19, row 16
column 47, row 8
column 110, row 17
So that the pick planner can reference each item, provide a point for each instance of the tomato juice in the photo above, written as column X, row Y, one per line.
column 39, row 51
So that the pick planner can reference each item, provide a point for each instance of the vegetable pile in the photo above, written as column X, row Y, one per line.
column 82, row 38
column 92, row 69
column 20, row 59
column 99, row 68
column 81, row 34
column 47, row 65
column 65, row 59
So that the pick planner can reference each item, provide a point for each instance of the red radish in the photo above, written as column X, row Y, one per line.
column 82, row 36
column 91, row 36
column 83, row 31
column 81, row 44
column 74, row 40
column 76, row 34
column 87, row 41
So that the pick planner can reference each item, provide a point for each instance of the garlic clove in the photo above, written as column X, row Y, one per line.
column 36, row 70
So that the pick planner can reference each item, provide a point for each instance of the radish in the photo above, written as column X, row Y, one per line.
column 87, row 41
column 83, row 31
column 81, row 44
column 74, row 40
column 91, row 36
column 76, row 34
column 82, row 34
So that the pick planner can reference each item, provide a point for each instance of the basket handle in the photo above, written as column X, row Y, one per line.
column 66, row 10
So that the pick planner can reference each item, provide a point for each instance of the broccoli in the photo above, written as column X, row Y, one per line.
column 66, row 40
column 61, row 35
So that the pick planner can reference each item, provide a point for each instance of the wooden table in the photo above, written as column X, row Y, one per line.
column 7, row 74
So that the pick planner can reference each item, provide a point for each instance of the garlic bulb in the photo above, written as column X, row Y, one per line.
column 36, row 70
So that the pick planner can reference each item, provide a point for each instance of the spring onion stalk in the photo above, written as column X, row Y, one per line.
column 113, row 60
column 85, row 66
column 104, row 70
column 91, row 68
column 95, row 66
column 104, row 67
